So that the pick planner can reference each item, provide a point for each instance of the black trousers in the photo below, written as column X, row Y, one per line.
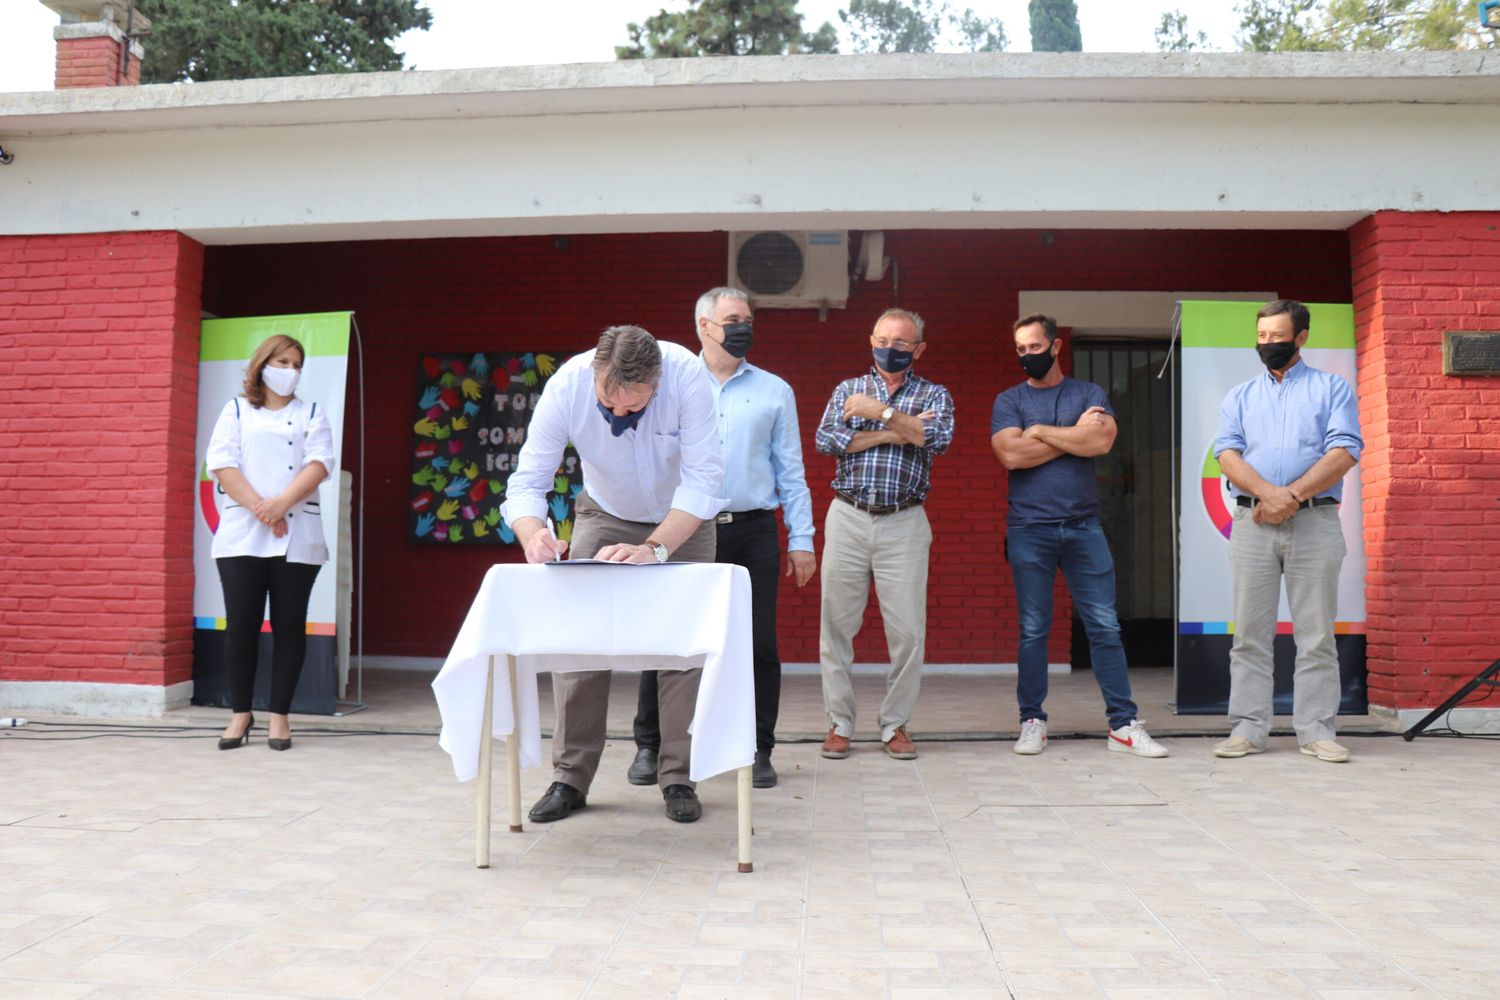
column 752, row 543
column 246, row 581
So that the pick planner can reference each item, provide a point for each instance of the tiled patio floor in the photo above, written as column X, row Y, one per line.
column 159, row 867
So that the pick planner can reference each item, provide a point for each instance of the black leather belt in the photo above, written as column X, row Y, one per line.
column 1314, row 502
column 736, row 516
column 878, row 508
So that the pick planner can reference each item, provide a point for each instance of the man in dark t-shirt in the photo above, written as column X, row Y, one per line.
column 1047, row 432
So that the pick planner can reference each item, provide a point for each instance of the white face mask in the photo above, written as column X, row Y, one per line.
column 282, row 381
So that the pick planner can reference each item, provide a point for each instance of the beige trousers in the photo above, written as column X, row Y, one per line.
column 582, row 698
column 890, row 549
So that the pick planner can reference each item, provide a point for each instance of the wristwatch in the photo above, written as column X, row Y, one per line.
column 659, row 550
column 886, row 414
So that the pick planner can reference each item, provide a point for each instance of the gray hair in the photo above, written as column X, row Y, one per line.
column 709, row 299
column 627, row 355
column 906, row 314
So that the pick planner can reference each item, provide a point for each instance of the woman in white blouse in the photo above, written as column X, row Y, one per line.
column 269, row 452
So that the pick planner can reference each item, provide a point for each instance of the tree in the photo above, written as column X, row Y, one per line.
column 726, row 28
column 1347, row 25
column 249, row 39
column 919, row 26
column 1054, row 26
column 1172, row 34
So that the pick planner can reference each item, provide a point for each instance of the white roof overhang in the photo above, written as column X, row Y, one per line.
column 906, row 141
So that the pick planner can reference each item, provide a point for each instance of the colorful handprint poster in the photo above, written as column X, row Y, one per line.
column 469, row 425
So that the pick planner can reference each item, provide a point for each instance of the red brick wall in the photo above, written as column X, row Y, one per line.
column 1431, row 467
column 98, row 406
column 92, row 62
column 531, row 294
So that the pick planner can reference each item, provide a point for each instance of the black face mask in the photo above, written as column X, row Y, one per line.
column 737, row 338
column 891, row 360
column 619, row 425
column 1276, row 355
column 1037, row 365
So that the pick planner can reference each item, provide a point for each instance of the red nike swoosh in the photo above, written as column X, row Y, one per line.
column 1129, row 743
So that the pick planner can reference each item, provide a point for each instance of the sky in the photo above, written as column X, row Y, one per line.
column 473, row 33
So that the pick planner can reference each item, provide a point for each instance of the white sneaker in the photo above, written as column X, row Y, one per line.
column 1033, row 738
column 1133, row 738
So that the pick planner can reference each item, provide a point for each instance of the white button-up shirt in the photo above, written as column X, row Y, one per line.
column 670, row 459
column 269, row 448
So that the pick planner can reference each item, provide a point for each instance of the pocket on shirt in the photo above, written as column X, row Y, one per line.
column 668, row 445
column 1310, row 425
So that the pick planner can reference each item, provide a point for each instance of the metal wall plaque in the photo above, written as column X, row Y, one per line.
column 1471, row 352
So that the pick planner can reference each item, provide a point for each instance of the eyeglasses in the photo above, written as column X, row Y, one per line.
column 900, row 345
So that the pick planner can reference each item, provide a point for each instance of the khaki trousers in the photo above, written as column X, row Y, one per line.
column 582, row 698
column 890, row 549
column 1306, row 553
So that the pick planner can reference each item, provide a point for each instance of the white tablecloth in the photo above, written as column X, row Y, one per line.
column 561, row 618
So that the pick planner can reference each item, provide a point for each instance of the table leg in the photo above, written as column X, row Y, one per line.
column 513, row 752
column 486, row 753
column 745, row 820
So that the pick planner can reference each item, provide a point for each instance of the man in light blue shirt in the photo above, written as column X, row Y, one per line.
column 757, row 416
column 1286, row 439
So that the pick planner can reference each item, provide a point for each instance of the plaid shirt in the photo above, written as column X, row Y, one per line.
column 886, row 473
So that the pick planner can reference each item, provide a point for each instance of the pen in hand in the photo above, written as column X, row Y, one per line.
column 552, row 530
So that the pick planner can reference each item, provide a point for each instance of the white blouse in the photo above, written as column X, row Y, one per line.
column 270, row 447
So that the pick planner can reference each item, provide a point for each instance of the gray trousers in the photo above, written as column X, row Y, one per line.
column 582, row 698
column 892, row 550
column 1306, row 551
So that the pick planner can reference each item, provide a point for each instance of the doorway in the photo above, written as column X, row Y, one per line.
column 1136, row 483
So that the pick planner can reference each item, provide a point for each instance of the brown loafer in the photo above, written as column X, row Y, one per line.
column 900, row 745
column 836, row 747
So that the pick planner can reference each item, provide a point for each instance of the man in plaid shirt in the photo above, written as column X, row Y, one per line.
column 884, row 427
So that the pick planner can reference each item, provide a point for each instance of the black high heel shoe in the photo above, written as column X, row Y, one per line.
column 278, row 743
column 239, row 740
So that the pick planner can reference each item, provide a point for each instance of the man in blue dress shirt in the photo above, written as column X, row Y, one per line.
column 762, row 470
column 1286, row 439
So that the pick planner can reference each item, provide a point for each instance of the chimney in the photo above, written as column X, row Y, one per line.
column 97, row 42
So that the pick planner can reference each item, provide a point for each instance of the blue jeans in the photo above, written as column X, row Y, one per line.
column 1036, row 552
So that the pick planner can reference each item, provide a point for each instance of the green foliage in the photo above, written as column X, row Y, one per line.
column 249, row 39
column 982, row 34
column 1359, row 25
column 1054, row 26
column 918, row 26
column 1277, row 26
column 726, row 28
column 1172, row 34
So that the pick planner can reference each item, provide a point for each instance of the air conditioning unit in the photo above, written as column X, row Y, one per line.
column 791, row 270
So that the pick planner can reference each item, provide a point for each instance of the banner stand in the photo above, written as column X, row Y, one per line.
column 225, row 345
column 1217, row 341
column 347, row 706
column 1176, row 490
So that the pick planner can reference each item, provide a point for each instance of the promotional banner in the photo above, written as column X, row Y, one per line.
column 226, row 347
column 1218, row 353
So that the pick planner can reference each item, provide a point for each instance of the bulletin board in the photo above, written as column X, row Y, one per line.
column 471, row 416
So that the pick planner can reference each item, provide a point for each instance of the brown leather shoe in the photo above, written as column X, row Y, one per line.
column 836, row 747
column 900, row 745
